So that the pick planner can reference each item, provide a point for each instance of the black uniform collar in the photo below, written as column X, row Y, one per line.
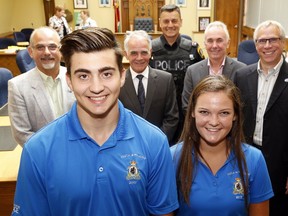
column 167, row 45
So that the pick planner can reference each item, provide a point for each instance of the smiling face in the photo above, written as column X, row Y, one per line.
column 96, row 82
column 170, row 24
column 214, row 116
column 216, row 43
column 138, row 54
column 45, row 50
column 270, row 52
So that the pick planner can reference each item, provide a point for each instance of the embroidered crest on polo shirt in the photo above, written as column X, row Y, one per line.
column 238, row 187
column 133, row 171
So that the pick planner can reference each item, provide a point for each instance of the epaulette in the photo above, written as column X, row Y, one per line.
column 156, row 44
column 185, row 44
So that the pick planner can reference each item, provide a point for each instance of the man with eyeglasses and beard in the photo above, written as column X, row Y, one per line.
column 40, row 95
column 264, row 90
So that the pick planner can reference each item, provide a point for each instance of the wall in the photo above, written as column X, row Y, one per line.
column 18, row 14
column 261, row 10
column 5, row 15
column 27, row 14
column 104, row 16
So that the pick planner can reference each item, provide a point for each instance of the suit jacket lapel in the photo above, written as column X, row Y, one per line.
column 151, row 88
column 203, row 71
column 252, row 85
column 228, row 66
column 41, row 97
column 130, row 91
column 279, row 85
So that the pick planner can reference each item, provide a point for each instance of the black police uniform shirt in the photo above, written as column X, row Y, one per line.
column 175, row 59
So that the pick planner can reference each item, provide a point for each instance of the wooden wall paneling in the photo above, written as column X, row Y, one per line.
column 49, row 7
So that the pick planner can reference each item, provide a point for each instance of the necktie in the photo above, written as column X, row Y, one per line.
column 141, row 92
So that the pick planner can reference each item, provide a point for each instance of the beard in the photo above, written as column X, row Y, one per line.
column 49, row 66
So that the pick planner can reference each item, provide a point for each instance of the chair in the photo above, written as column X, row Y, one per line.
column 19, row 37
column 247, row 52
column 24, row 61
column 145, row 24
column 5, row 75
column 27, row 32
column 5, row 42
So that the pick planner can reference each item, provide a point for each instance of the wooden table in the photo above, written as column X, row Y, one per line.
column 9, row 165
column 125, row 62
column 8, row 60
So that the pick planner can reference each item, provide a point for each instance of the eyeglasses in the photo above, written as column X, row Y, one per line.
column 263, row 41
column 51, row 47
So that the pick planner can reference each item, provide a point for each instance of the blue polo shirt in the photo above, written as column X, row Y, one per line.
column 222, row 194
column 64, row 172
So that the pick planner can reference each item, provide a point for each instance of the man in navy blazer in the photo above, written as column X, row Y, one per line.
column 264, row 89
column 216, row 42
column 160, row 107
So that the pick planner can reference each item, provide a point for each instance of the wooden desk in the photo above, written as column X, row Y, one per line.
column 8, row 60
column 125, row 62
column 9, row 161
column 9, row 165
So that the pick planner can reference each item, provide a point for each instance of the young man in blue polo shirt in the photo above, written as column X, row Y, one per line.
column 99, row 158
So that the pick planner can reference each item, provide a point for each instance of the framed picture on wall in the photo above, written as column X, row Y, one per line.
column 203, row 22
column 80, row 4
column 203, row 4
column 104, row 3
column 180, row 3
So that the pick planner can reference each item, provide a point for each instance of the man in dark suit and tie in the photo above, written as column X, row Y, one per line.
column 264, row 89
column 216, row 40
column 148, row 92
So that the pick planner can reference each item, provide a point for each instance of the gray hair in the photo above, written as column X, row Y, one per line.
column 217, row 24
column 267, row 24
column 138, row 34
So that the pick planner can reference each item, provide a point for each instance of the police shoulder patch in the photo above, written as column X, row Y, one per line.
column 200, row 52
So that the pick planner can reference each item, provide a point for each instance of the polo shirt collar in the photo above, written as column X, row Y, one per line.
column 76, row 132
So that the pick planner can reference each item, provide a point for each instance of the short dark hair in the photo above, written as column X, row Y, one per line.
column 170, row 8
column 87, row 41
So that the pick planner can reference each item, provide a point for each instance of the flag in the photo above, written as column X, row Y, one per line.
column 117, row 16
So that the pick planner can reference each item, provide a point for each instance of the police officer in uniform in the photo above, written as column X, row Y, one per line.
column 173, row 53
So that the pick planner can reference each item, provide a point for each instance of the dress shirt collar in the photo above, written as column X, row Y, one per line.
column 220, row 71
column 145, row 73
column 271, row 71
column 45, row 77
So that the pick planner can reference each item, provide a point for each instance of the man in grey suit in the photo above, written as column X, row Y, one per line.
column 264, row 90
column 40, row 95
column 216, row 40
column 159, row 102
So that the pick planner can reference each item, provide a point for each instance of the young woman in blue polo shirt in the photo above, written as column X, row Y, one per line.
column 217, row 174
